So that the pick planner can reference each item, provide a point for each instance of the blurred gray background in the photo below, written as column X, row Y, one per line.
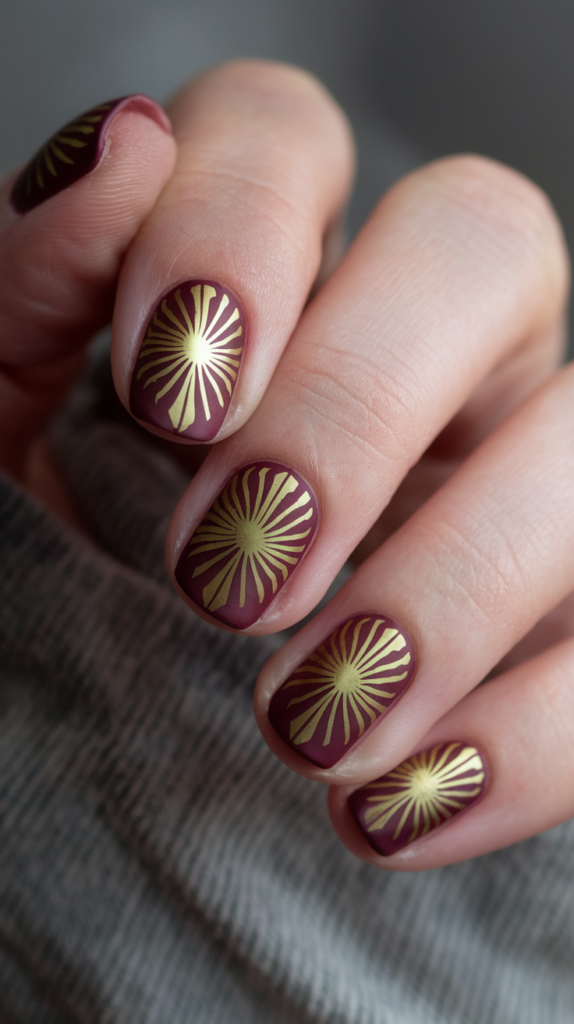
column 418, row 78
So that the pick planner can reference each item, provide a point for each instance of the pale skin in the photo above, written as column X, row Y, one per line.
column 419, row 392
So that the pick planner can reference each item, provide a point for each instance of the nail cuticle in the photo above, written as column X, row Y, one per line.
column 74, row 151
column 248, row 545
column 189, row 360
column 325, row 708
column 422, row 793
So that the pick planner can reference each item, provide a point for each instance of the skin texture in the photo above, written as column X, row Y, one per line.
column 417, row 393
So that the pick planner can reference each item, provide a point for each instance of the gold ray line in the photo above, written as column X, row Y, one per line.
column 189, row 333
column 171, row 367
column 208, row 294
column 409, row 806
column 390, row 640
column 216, row 593
column 321, row 675
column 215, row 385
column 220, row 334
column 355, row 705
column 366, row 643
column 254, row 558
column 177, row 372
column 203, row 393
column 275, row 489
column 50, row 164
column 229, row 555
column 278, row 564
column 310, row 694
column 303, row 500
column 60, row 154
column 331, row 720
column 306, row 723
column 375, row 692
column 222, row 305
column 271, row 574
column 378, row 662
column 210, row 370
column 177, row 333
column 182, row 411
column 179, row 329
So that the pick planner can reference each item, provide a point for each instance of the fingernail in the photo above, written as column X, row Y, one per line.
column 188, row 363
column 330, row 700
column 249, row 544
column 418, row 796
column 74, row 151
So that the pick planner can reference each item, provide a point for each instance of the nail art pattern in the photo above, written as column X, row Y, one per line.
column 343, row 687
column 253, row 537
column 422, row 793
column 189, row 360
column 70, row 154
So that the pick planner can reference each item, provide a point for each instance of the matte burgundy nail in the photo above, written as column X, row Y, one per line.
column 189, row 359
column 250, row 542
column 74, row 151
column 418, row 796
column 343, row 687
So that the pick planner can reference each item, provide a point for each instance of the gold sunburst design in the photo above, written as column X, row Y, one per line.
column 258, row 532
column 348, row 675
column 425, row 790
column 62, row 149
column 190, row 352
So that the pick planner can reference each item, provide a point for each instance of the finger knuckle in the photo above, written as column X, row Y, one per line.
column 478, row 563
column 511, row 212
column 284, row 95
column 364, row 408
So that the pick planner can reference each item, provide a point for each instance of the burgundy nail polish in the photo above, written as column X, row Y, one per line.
column 250, row 542
column 419, row 795
column 74, row 151
column 189, row 359
column 343, row 687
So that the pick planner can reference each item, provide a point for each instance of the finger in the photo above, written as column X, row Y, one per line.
column 66, row 222
column 509, row 769
column 402, row 333
column 215, row 283
column 489, row 405
column 466, row 577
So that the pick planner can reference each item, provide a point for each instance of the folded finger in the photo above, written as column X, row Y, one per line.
column 65, row 223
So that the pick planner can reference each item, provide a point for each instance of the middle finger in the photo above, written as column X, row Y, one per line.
column 461, row 265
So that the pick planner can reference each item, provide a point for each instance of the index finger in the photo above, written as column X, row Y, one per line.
column 216, row 280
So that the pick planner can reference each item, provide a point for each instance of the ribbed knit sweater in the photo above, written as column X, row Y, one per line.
column 158, row 865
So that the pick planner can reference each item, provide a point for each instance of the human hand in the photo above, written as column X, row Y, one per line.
column 427, row 358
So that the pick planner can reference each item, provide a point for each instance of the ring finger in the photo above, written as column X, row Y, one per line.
column 466, row 577
column 215, row 281
column 504, row 754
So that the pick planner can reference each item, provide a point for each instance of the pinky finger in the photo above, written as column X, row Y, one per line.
column 498, row 768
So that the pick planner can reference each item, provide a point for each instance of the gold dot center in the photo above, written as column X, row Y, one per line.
column 197, row 348
column 249, row 537
column 424, row 783
column 346, row 678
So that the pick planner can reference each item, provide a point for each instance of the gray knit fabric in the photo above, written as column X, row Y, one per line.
column 158, row 865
